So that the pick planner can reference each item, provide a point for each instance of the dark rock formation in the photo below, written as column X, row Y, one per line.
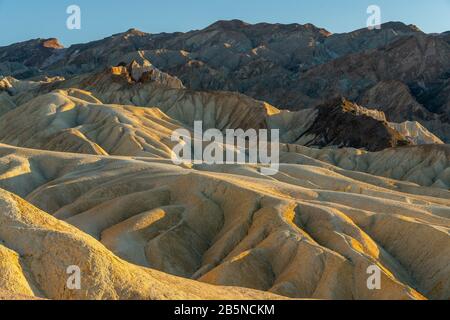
column 342, row 123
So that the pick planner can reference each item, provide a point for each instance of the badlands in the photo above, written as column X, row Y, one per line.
column 87, row 180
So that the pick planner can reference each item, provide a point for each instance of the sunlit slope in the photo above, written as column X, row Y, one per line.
column 74, row 121
column 309, row 232
column 36, row 250
column 136, row 85
column 427, row 165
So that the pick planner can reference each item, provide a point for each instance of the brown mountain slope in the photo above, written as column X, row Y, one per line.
column 341, row 123
column 291, row 66
column 418, row 62
column 78, row 121
column 26, row 59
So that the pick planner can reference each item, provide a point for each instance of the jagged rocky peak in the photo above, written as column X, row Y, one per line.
column 394, row 26
column 346, row 105
column 310, row 26
column 137, row 70
column 52, row 43
column 342, row 123
column 136, row 32
column 124, row 73
column 400, row 26
column 228, row 24
column 398, row 69
column 242, row 26
column 131, row 32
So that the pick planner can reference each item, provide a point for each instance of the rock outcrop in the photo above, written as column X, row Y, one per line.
column 344, row 124
column 79, row 119
column 397, row 69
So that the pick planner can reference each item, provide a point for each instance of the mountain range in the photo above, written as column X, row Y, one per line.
column 87, row 178
column 398, row 69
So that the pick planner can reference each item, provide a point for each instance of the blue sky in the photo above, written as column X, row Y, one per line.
column 24, row 19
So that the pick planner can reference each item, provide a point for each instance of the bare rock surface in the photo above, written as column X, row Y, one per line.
column 79, row 119
column 87, row 177
column 47, row 247
column 291, row 66
column 309, row 232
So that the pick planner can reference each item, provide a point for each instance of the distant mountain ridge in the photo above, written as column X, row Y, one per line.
column 398, row 69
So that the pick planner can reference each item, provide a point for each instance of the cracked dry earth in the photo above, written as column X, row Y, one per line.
column 143, row 228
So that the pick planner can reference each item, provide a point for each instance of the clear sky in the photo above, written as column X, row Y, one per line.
column 25, row 19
